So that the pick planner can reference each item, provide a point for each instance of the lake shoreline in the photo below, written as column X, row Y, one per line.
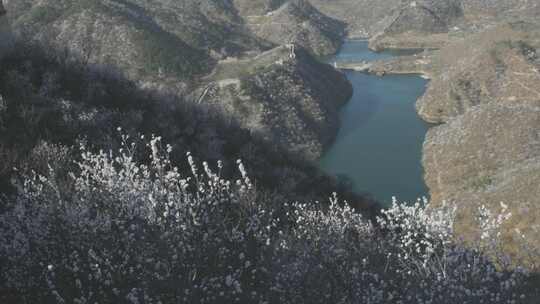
column 372, row 112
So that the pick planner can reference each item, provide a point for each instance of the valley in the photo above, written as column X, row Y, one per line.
column 248, row 151
column 256, row 67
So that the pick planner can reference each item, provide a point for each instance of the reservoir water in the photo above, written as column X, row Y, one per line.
column 379, row 147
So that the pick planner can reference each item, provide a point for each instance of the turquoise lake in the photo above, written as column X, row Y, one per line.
column 379, row 146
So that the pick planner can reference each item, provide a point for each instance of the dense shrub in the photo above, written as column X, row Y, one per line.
column 122, row 232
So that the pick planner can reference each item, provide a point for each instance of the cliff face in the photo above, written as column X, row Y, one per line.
column 286, row 97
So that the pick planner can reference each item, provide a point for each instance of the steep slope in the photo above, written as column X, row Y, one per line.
column 47, row 104
column 199, row 32
column 110, row 34
column 500, row 7
column 256, row 7
column 361, row 16
column 173, row 45
column 369, row 18
column 283, row 96
column 425, row 16
column 497, row 65
column 207, row 25
column 491, row 154
column 407, row 25
column 485, row 90
column 297, row 21
column 83, row 79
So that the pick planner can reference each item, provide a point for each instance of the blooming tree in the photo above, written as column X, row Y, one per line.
column 124, row 231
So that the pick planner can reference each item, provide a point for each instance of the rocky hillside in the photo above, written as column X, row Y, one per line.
column 175, row 45
column 367, row 18
column 113, row 34
column 485, row 91
column 297, row 21
column 490, row 155
column 195, row 73
column 257, row 7
column 501, row 7
column 497, row 65
column 361, row 16
column 484, row 94
column 424, row 16
column 406, row 25
column 423, row 24
column 175, row 40
column 283, row 96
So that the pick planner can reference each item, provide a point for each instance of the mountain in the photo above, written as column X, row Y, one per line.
column 95, row 208
column 502, row 7
column 484, row 70
column 485, row 92
column 297, row 21
column 497, row 65
column 114, row 34
column 484, row 157
column 191, row 71
column 423, row 16
column 284, row 96
column 176, row 39
column 361, row 16
column 176, row 46
column 411, row 20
